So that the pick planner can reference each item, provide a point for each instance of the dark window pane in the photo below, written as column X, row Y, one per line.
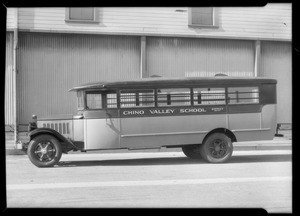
column 81, row 13
column 202, row 16
column 87, row 14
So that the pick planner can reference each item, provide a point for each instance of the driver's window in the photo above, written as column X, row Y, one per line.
column 94, row 100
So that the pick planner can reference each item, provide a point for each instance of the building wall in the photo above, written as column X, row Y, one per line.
column 10, row 18
column 9, row 85
column 187, row 57
column 50, row 64
column 276, row 62
column 271, row 22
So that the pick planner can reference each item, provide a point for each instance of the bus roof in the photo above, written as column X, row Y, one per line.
column 175, row 82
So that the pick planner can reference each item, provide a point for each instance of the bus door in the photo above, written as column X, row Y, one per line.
column 101, row 121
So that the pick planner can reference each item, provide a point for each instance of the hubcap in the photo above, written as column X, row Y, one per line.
column 45, row 151
column 218, row 148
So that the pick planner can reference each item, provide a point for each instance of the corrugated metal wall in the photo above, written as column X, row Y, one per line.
column 50, row 64
column 181, row 57
column 276, row 62
column 9, row 105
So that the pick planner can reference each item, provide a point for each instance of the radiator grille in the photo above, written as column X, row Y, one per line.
column 61, row 127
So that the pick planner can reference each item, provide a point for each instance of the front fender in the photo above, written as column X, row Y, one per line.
column 61, row 138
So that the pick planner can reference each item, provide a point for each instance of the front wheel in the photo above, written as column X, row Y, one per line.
column 44, row 151
column 217, row 148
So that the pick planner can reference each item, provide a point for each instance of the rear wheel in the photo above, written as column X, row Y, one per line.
column 44, row 151
column 192, row 151
column 217, row 148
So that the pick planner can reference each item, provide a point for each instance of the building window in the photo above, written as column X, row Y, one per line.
column 77, row 14
column 202, row 17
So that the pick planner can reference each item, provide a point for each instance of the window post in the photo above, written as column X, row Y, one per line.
column 257, row 58
column 15, row 113
column 143, row 57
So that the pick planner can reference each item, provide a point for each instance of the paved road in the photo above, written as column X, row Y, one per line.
column 260, row 179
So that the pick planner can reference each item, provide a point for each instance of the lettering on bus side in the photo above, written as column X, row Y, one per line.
column 148, row 112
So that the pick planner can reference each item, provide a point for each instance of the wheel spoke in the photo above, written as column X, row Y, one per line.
column 223, row 146
column 46, row 146
column 48, row 157
column 41, row 157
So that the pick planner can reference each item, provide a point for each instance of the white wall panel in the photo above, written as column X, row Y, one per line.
column 271, row 22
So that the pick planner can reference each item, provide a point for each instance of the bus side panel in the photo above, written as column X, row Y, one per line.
column 160, row 141
column 266, row 130
column 168, row 130
column 78, row 126
column 102, row 133
column 269, row 117
column 244, row 121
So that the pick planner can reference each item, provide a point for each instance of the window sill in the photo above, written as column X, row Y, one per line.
column 203, row 26
column 82, row 21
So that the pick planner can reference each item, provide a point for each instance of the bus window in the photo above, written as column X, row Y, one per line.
column 137, row 98
column 237, row 95
column 80, row 100
column 174, row 97
column 94, row 100
column 111, row 100
column 208, row 96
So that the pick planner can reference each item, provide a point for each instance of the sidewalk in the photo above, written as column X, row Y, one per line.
column 278, row 143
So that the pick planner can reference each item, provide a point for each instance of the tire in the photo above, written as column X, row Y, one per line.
column 192, row 151
column 44, row 151
column 216, row 148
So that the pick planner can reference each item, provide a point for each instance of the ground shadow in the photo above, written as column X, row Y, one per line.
column 173, row 161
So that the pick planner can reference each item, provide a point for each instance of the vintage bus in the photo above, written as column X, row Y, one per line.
column 203, row 116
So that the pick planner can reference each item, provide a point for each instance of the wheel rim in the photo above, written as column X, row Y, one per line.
column 218, row 148
column 45, row 151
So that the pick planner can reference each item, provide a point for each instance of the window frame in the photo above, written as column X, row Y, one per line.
column 214, row 19
column 138, row 103
column 81, row 99
column 94, row 21
column 155, row 103
column 91, row 92
column 175, row 94
column 242, row 98
column 210, row 101
column 104, row 99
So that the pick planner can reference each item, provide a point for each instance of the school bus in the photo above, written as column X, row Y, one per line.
column 203, row 116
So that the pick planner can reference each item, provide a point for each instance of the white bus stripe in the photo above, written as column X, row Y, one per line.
column 143, row 183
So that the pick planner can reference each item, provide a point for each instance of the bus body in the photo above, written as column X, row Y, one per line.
column 160, row 112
